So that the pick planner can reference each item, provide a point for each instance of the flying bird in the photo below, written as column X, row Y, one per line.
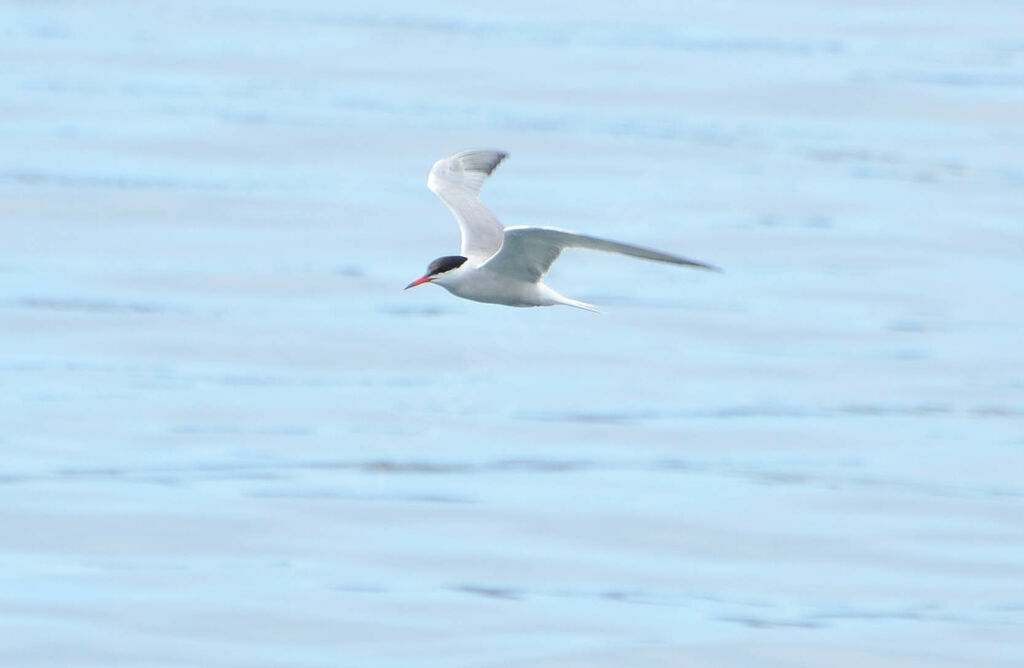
column 505, row 265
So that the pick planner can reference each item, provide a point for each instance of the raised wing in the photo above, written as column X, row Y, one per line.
column 528, row 252
column 457, row 181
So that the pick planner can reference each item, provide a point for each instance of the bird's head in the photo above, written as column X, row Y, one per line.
column 440, row 270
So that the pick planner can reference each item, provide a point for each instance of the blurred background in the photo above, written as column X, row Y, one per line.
column 229, row 438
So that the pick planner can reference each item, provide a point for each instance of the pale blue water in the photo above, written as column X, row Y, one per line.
column 229, row 438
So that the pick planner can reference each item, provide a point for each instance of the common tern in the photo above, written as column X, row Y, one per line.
column 505, row 265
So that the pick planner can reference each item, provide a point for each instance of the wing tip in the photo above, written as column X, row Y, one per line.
column 480, row 160
column 706, row 267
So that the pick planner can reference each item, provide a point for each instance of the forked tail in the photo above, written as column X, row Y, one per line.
column 575, row 303
column 548, row 297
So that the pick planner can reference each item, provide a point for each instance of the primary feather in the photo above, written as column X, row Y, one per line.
column 529, row 252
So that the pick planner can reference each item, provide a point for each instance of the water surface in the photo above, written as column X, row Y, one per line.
column 229, row 438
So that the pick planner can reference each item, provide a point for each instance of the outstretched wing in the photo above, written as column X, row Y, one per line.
column 528, row 252
column 457, row 181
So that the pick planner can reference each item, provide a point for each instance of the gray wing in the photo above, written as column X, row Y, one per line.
column 528, row 252
column 457, row 181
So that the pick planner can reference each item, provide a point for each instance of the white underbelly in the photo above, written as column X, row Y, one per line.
column 486, row 287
